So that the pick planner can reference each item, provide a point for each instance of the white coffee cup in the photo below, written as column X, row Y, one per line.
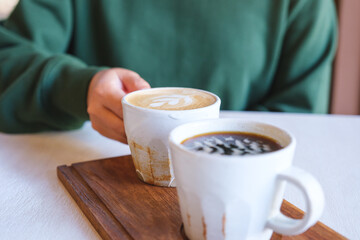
column 148, row 129
column 239, row 197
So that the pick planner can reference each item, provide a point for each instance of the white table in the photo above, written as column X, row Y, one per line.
column 35, row 205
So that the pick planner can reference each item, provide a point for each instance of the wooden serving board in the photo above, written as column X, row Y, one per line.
column 120, row 206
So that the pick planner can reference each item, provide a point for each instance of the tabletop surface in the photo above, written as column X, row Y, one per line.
column 35, row 205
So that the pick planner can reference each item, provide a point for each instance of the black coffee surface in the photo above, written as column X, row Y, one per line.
column 232, row 143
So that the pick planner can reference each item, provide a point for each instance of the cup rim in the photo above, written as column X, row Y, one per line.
column 125, row 102
column 180, row 147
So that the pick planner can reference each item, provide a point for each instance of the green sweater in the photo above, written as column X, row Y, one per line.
column 268, row 55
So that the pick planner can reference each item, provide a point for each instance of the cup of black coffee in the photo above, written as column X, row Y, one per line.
column 231, row 176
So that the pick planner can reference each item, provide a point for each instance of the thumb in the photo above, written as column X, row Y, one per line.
column 131, row 80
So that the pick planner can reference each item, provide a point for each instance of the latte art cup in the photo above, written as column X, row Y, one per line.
column 148, row 129
column 239, row 197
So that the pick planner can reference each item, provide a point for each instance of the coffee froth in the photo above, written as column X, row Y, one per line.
column 232, row 143
column 171, row 99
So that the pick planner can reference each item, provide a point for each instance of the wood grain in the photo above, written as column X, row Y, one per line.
column 98, row 214
column 120, row 206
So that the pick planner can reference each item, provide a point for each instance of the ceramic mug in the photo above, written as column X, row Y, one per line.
column 239, row 197
column 148, row 129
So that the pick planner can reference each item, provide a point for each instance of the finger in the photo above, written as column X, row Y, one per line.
column 109, row 134
column 111, row 94
column 109, row 125
column 131, row 80
column 112, row 102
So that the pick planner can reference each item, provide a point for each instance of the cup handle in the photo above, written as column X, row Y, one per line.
column 314, row 198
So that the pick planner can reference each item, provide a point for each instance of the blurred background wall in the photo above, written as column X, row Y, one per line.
column 346, row 73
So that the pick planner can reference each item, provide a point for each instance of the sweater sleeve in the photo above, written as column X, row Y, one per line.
column 302, row 80
column 41, row 87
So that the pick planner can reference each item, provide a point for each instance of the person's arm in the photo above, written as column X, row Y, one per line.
column 303, row 78
column 41, row 88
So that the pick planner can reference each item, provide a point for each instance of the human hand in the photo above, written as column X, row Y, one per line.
column 106, row 90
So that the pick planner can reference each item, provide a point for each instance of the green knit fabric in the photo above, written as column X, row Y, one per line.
column 267, row 55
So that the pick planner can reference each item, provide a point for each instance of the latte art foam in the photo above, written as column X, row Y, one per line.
column 171, row 99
